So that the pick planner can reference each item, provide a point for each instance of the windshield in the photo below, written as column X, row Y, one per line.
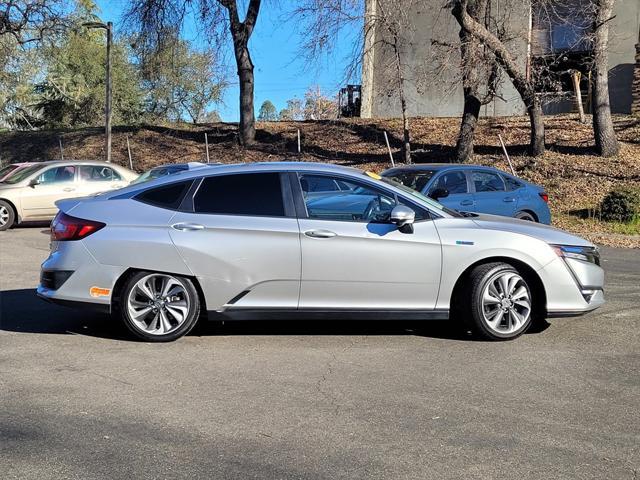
column 7, row 169
column 21, row 174
column 415, row 180
column 429, row 201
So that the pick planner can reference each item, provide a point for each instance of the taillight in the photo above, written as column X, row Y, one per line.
column 65, row 227
column 544, row 196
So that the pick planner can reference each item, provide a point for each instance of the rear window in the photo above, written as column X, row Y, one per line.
column 258, row 194
column 167, row 196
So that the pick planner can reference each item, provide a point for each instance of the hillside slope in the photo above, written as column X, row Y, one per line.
column 575, row 178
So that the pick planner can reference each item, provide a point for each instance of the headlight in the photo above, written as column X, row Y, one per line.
column 586, row 254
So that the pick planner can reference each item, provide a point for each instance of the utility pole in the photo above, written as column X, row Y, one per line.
column 107, row 104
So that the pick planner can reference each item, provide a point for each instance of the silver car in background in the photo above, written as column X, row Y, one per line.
column 308, row 240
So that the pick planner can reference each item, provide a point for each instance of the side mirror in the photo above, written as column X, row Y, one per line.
column 439, row 193
column 403, row 217
column 34, row 182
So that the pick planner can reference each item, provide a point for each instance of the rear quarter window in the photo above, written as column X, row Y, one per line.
column 166, row 196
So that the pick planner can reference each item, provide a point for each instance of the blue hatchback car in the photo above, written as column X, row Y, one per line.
column 473, row 188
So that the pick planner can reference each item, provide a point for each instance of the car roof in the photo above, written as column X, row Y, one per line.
column 439, row 166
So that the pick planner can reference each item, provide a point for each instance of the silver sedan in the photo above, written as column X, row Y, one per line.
column 308, row 240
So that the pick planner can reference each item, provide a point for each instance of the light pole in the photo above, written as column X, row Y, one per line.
column 107, row 107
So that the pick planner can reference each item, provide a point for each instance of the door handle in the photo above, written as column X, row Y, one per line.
column 466, row 202
column 187, row 227
column 68, row 189
column 509, row 199
column 320, row 234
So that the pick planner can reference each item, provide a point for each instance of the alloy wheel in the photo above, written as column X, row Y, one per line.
column 158, row 304
column 506, row 303
column 4, row 215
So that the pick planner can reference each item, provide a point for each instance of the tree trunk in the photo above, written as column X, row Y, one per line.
column 470, row 55
column 406, row 135
column 464, row 145
column 247, row 115
column 603, row 131
column 241, row 32
column 536, row 118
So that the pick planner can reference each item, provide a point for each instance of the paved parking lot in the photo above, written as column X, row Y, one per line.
column 79, row 399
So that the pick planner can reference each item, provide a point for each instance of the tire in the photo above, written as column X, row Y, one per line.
column 500, row 302
column 7, row 216
column 526, row 216
column 158, row 307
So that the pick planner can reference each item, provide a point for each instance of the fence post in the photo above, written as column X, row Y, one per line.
column 206, row 143
column 61, row 152
column 129, row 152
column 504, row 149
column 386, row 139
column 299, row 149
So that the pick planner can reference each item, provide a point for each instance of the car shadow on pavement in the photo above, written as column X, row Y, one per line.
column 22, row 311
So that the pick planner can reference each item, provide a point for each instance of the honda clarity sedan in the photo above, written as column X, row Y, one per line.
column 264, row 241
column 474, row 188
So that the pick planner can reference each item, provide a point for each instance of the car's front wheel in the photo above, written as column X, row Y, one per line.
column 7, row 216
column 501, row 302
column 158, row 307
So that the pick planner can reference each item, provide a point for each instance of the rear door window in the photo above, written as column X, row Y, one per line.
column 256, row 194
column 487, row 182
column 98, row 173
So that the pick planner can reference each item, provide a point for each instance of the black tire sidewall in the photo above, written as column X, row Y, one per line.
column 522, row 215
column 478, row 284
column 12, row 216
column 184, row 329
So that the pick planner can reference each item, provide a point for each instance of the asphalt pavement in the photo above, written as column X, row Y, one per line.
column 314, row 400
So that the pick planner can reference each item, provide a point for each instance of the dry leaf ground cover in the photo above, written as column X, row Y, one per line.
column 574, row 177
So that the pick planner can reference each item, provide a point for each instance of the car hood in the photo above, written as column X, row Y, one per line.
column 10, row 186
column 537, row 230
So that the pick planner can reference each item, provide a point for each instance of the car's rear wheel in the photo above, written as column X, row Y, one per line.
column 501, row 302
column 158, row 307
column 7, row 216
column 526, row 216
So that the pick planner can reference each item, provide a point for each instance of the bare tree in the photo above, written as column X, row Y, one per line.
column 523, row 83
column 603, row 131
column 387, row 27
column 480, row 77
column 219, row 18
column 31, row 20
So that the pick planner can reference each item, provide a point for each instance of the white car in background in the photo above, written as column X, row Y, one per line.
column 30, row 193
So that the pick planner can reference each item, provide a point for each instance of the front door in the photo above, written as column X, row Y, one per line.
column 55, row 183
column 454, row 182
column 242, row 242
column 353, row 258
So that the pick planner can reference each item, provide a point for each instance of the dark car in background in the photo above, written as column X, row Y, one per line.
column 474, row 188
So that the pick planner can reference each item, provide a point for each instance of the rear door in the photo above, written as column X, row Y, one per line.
column 55, row 183
column 491, row 195
column 455, row 182
column 241, row 240
column 354, row 259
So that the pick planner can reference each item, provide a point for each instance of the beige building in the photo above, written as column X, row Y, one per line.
column 430, row 58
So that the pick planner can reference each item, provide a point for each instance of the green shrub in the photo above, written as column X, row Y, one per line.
column 621, row 205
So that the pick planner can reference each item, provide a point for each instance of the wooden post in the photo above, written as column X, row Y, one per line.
column 386, row 139
column 206, row 144
column 129, row 152
column 107, row 109
column 575, row 75
column 61, row 152
column 299, row 148
column 504, row 149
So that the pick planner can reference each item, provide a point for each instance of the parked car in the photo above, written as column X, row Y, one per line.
column 254, row 240
column 29, row 194
column 168, row 169
column 474, row 188
column 10, row 169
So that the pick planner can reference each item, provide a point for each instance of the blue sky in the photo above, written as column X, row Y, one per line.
column 279, row 74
